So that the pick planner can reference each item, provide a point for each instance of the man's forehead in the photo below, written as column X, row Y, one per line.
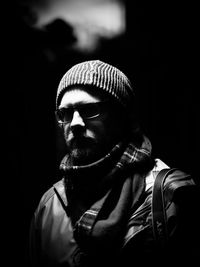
column 80, row 94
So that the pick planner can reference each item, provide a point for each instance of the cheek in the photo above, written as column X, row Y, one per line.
column 98, row 130
column 66, row 131
column 102, row 131
column 114, row 131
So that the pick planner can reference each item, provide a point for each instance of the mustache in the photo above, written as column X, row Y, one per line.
column 74, row 139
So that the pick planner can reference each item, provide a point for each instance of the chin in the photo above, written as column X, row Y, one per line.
column 82, row 156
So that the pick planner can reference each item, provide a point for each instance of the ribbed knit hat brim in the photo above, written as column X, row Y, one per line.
column 99, row 75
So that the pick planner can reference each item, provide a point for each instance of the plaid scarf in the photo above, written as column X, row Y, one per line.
column 103, row 224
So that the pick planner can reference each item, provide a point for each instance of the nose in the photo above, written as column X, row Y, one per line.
column 77, row 120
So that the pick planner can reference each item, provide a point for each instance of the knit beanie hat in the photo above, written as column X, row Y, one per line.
column 99, row 76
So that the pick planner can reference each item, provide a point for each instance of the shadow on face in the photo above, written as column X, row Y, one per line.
column 89, row 135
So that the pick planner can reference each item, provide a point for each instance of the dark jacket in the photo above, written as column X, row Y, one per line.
column 53, row 244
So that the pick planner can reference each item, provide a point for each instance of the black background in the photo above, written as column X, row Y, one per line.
column 158, row 52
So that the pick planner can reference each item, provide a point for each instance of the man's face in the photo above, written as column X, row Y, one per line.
column 90, row 131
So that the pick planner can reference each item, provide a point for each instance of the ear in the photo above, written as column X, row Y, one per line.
column 59, row 125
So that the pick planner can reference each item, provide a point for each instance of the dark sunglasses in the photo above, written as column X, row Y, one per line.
column 87, row 111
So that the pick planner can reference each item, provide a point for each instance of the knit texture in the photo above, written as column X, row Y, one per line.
column 99, row 75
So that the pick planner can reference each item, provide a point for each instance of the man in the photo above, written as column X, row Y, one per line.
column 100, row 213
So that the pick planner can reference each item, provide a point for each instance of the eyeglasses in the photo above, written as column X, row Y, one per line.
column 87, row 111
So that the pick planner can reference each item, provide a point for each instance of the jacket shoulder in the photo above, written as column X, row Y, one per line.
column 178, row 182
column 57, row 188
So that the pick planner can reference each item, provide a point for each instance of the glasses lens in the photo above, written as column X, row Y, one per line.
column 86, row 111
column 64, row 114
column 90, row 110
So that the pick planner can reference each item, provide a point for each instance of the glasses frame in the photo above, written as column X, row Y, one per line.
column 75, row 107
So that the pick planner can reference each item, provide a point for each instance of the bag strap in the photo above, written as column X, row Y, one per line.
column 159, row 221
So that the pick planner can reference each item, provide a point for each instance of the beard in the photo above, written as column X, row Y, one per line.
column 81, row 156
column 83, row 150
